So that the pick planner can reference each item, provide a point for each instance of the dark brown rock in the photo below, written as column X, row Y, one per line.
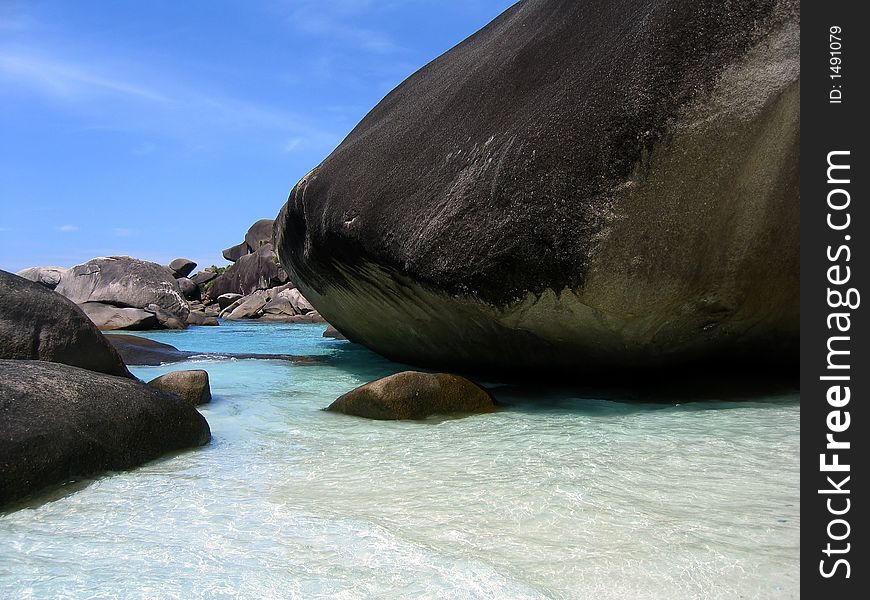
column 577, row 185
column 415, row 395
column 190, row 386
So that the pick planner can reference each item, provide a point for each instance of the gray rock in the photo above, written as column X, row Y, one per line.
column 224, row 300
column 201, row 318
column 166, row 319
column 249, row 308
column 107, row 317
column 260, row 234
column 203, row 277
column 312, row 317
column 182, row 267
column 190, row 386
column 257, row 271
column 47, row 276
column 300, row 304
column 38, row 324
column 59, row 423
column 188, row 288
column 415, row 395
column 523, row 202
column 234, row 253
column 332, row 332
column 125, row 282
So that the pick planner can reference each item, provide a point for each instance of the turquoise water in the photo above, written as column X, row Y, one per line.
column 556, row 496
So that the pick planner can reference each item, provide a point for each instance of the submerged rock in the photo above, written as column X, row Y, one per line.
column 142, row 351
column 415, row 395
column 59, row 423
column 190, row 386
column 522, row 201
column 38, row 324
column 47, row 276
column 332, row 332
column 125, row 282
column 107, row 317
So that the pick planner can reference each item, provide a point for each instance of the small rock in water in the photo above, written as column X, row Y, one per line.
column 415, row 395
column 332, row 332
column 190, row 386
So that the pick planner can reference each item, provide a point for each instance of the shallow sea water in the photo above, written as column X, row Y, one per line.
column 556, row 496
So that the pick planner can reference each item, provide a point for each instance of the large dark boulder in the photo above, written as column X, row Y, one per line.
column 415, row 395
column 59, row 423
column 38, row 324
column 47, row 276
column 260, row 234
column 579, row 184
column 252, row 272
column 234, row 253
column 125, row 282
column 188, row 288
column 182, row 267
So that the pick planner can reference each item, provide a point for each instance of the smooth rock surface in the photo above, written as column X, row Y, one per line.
column 126, row 282
column 260, row 234
column 47, row 276
column 59, row 423
column 578, row 185
column 415, row 395
column 182, row 267
column 191, row 386
column 225, row 300
column 234, row 253
column 257, row 271
column 188, row 288
column 39, row 324
column 107, row 317
column 203, row 277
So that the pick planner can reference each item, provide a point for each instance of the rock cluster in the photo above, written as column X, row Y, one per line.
column 69, row 408
column 282, row 303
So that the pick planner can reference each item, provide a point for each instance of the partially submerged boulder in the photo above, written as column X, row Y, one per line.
column 415, row 395
column 125, row 282
column 191, row 386
column 38, row 324
column 332, row 332
column 577, row 185
column 47, row 276
column 59, row 423
column 107, row 317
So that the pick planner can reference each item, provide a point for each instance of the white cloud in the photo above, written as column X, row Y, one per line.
column 68, row 228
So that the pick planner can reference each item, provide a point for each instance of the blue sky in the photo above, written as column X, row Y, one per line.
column 163, row 128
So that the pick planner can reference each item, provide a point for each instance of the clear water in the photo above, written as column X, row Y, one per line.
column 554, row 497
